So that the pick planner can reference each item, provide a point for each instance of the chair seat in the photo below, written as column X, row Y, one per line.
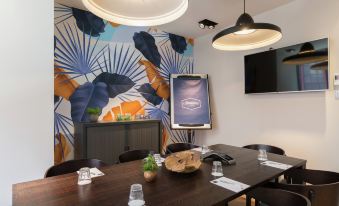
column 268, row 148
column 276, row 197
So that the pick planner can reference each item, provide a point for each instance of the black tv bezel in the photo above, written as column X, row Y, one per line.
column 302, row 91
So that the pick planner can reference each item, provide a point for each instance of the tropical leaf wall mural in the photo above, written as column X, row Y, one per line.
column 117, row 68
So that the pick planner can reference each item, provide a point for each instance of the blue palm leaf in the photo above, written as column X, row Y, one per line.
column 116, row 83
column 76, row 54
column 86, row 21
column 174, row 63
column 147, row 91
column 178, row 43
column 62, row 124
column 88, row 95
column 120, row 70
column 62, row 13
column 123, row 60
column 145, row 43
column 157, row 112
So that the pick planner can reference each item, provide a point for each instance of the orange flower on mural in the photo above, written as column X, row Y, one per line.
column 114, row 24
column 165, row 137
column 157, row 82
column 61, row 150
column 108, row 116
column 64, row 86
column 190, row 41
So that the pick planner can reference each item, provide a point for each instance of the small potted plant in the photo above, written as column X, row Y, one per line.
column 150, row 168
column 93, row 113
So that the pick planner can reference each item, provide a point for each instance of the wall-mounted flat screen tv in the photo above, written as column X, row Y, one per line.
column 299, row 68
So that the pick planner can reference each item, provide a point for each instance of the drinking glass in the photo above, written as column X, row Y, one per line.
column 157, row 159
column 84, row 177
column 217, row 169
column 137, row 117
column 204, row 149
column 262, row 156
column 136, row 196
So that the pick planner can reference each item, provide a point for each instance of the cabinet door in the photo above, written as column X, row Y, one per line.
column 106, row 143
column 144, row 136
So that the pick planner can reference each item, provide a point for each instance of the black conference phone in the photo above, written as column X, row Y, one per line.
column 218, row 156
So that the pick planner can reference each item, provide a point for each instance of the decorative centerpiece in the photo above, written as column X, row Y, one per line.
column 183, row 162
column 93, row 113
column 150, row 168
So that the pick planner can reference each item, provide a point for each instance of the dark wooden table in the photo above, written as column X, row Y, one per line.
column 169, row 188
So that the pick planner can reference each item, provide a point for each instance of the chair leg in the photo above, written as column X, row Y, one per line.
column 248, row 200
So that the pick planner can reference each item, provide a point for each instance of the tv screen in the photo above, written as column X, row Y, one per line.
column 302, row 67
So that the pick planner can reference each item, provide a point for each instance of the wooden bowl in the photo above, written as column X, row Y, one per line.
column 183, row 162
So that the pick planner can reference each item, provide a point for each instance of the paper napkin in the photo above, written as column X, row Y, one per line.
column 276, row 165
column 229, row 184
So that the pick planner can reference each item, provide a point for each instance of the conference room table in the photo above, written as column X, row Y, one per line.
column 169, row 188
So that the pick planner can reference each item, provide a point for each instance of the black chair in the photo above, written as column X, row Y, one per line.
column 73, row 166
column 268, row 148
column 134, row 155
column 276, row 197
column 321, row 187
column 178, row 147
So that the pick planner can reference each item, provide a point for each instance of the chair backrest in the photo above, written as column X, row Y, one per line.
column 277, row 197
column 134, row 155
column 268, row 148
column 321, row 187
column 73, row 166
column 178, row 147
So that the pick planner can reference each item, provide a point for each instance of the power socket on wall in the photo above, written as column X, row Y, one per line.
column 336, row 86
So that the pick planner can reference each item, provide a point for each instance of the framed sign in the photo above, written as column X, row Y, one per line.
column 190, row 104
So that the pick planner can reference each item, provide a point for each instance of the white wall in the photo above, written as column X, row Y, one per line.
column 26, row 92
column 306, row 125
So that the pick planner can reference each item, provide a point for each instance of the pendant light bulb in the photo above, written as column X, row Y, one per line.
column 246, row 34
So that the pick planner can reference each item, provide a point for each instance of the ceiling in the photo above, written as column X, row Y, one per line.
column 224, row 12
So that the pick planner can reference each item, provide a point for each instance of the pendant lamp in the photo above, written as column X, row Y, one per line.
column 246, row 35
column 307, row 55
column 137, row 12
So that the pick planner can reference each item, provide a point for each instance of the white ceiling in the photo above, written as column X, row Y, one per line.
column 224, row 12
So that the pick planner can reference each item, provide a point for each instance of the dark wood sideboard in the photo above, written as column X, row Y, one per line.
column 107, row 140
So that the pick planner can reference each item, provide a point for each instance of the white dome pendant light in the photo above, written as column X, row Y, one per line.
column 137, row 12
column 246, row 35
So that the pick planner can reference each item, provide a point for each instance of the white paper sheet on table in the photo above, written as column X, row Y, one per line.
column 95, row 172
column 230, row 184
column 276, row 165
column 199, row 149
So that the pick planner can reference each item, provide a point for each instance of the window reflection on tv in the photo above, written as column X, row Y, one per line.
column 302, row 67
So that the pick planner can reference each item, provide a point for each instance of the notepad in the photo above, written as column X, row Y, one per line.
column 230, row 184
column 95, row 172
column 276, row 165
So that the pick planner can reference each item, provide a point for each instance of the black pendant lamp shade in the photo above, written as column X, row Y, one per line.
column 247, row 35
column 307, row 55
